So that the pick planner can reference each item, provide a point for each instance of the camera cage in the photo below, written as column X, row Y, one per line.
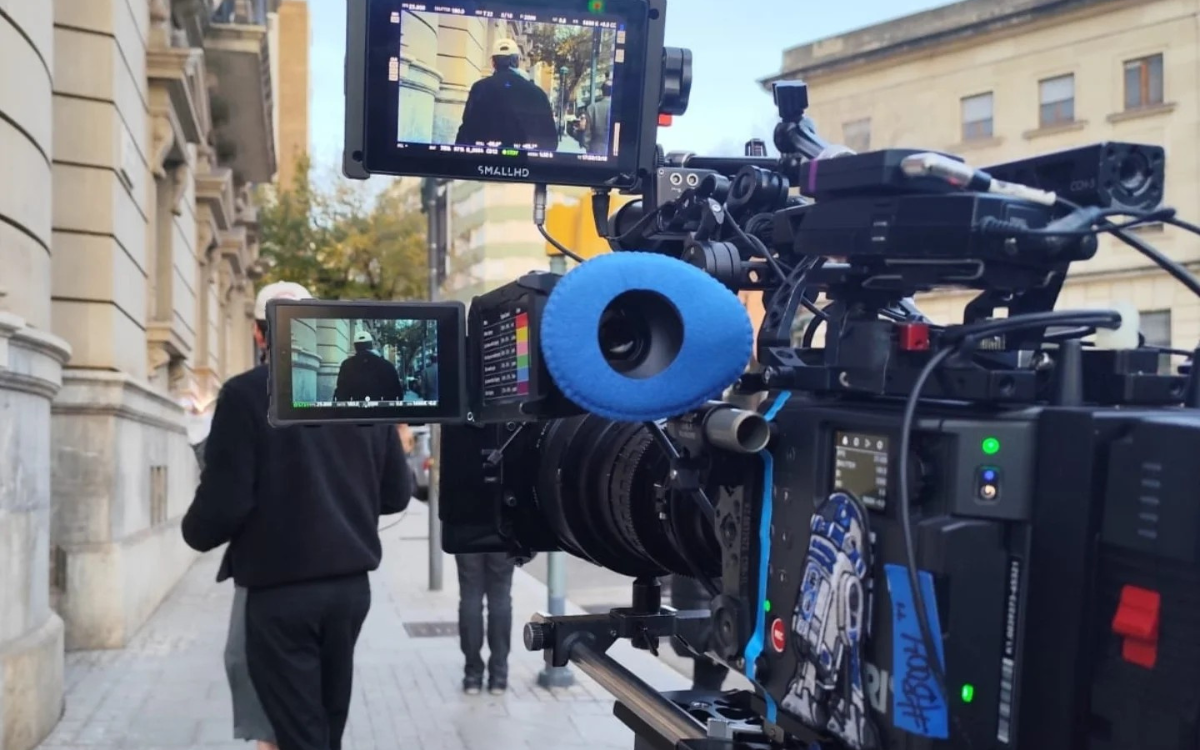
column 741, row 220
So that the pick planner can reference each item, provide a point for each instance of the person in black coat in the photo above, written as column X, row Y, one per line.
column 366, row 376
column 508, row 109
column 299, row 509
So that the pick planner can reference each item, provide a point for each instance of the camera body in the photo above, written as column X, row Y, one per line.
column 979, row 535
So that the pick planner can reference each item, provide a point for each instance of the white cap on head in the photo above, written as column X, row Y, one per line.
column 504, row 48
column 278, row 290
column 362, row 337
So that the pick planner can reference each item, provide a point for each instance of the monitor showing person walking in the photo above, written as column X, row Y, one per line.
column 364, row 363
column 502, row 80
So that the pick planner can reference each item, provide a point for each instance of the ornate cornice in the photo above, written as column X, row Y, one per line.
column 180, row 73
column 233, row 250
column 214, row 190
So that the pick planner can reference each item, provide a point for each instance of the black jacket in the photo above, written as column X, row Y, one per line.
column 508, row 108
column 367, row 375
column 295, row 503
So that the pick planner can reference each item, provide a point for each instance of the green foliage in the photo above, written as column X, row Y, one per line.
column 563, row 49
column 411, row 342
column 340, row 242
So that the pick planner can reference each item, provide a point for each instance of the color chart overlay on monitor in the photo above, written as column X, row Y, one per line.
column 505, row 340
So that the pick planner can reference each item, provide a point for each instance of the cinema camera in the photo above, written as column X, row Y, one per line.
column 978, row 535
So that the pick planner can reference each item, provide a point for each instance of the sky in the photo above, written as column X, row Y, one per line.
column 731, row 51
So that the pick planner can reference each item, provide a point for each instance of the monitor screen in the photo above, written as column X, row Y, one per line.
column 380, row 362
column 523, row 91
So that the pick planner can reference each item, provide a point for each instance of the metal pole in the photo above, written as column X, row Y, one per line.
column 595, row 55
column 660, row 715
column 556, row 570
column 435, row 524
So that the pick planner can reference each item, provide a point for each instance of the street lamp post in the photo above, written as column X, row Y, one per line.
column 556, row 570
column 429, row 194
column 562, row 107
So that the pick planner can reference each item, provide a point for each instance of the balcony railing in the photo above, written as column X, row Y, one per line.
column 248, row 12
column 238, row 54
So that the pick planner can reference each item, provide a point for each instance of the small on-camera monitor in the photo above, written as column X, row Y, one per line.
column 366, row 362
column 535, row 91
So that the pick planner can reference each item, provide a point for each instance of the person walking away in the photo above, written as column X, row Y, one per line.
column 506, row 108
column 299, row 509
column 688, row 593
column 429, row 379
column 485, row 575
column 595, row 122
column 367, row 376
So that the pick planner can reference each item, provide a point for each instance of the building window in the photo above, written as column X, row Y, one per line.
column 1156, row 330
column 1058, row 100
column 1144, row 82
column 977, row 117
column 856, row 135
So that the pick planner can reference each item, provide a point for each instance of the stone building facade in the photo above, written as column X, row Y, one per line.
column 131, row 134
column 493, row 239
column 319, row 347
column 294, row 85
column 998, row 80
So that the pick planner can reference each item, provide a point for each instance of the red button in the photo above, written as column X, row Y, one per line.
column 1137, row 621
column 778, row 635
column 913, row 337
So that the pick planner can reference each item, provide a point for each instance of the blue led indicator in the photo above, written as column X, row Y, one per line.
column 989, row 475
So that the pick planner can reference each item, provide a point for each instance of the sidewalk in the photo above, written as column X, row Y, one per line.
column 168, row 690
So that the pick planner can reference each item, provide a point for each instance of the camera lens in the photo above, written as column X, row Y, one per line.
column 640, row 334
column 596, row 484
column 1134, row 172
column 622, row 339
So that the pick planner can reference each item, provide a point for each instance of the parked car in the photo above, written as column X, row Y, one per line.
column 420, row 460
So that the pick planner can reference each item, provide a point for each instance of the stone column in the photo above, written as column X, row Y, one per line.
column 240, row 335
column 305, row 361
column 464, row 47
column 205, row 279
column 420, row 79
column 31, row 633
column 333, row 347
column 224, row 290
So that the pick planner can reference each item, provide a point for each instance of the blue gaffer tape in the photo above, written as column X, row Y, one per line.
column 754, row 647
column 918, row 706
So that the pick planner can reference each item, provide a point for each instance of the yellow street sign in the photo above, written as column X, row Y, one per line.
column 572, row 225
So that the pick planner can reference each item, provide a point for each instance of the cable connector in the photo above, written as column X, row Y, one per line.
column 539, row 219
column 539, row 205
column 966, row 177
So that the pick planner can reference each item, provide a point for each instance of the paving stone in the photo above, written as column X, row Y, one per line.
column 167, row 690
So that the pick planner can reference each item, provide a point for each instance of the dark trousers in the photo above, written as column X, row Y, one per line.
column 483, row 575
column 300, row 650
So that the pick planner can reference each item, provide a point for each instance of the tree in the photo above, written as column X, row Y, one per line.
column 342, row 243
column 571, row 50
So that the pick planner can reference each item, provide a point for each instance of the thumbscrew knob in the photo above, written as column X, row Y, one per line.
column 536, row 634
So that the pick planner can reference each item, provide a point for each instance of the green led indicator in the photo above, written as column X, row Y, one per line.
column 767, row 606
column 991, row 446
column 968, row 693
column 596, row 6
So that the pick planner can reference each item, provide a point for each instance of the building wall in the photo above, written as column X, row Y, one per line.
column 915, row 100
column 31, row 359
column 121, row 450
column 494, row 238
column 129, row 253
column 294, row 86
